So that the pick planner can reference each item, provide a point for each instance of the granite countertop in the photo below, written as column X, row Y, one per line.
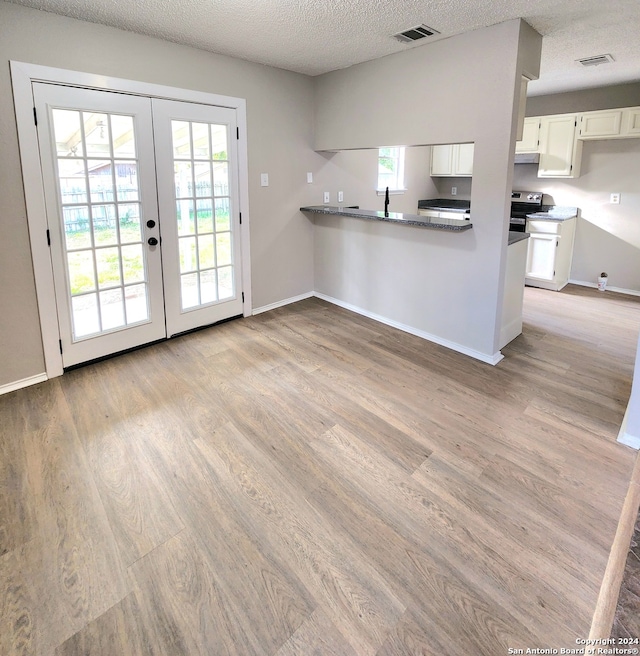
column 453, row 225
column 445, row 204
column 554, row 213
column 515, row 237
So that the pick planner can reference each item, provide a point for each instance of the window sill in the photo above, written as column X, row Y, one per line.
column 392, row 192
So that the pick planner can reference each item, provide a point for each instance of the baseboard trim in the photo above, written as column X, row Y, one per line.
column 594, row 285
column 25, row 382
column 277, row 304
column 454, row 346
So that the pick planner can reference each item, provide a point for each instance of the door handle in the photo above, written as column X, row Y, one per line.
column 152, row 241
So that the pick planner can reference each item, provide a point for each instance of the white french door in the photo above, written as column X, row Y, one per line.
column 199, row 214
column 143, row 214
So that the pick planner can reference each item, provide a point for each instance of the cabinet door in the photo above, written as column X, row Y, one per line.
column 632, row 122
column 442, row 160
column 599, row 125
column 463, row 160
column 558, row 147
column 530, row 136
column 541, row 256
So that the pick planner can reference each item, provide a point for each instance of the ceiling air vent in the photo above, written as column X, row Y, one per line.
column 415, row 33
column 596, row 61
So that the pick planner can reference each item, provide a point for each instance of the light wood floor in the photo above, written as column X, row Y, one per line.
column 308, row 481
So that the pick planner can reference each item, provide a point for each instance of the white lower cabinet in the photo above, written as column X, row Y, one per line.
column 549, row 253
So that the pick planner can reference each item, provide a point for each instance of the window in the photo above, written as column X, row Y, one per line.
column 391, row 169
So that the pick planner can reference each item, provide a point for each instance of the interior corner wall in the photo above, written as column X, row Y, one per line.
column 461, row 89
column 280, row 132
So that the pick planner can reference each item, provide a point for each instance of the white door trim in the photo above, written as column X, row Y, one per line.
column 22, row 77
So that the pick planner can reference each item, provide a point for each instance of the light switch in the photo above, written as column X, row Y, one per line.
column 264, row 179
column 326, row 196
column 309, row 177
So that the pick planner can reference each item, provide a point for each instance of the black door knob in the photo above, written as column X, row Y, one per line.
column 152, row 241
column 151, row 223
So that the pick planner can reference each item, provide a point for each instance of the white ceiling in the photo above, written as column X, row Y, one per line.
column 316, row 36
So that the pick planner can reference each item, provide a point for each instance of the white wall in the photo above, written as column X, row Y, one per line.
column 630, row 432
column 462, row 89
column 280, row 126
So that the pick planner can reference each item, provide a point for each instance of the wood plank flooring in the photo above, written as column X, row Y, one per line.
column 310, row 482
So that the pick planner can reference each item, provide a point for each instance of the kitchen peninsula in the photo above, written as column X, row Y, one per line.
column 453, row 225
column 418, row 265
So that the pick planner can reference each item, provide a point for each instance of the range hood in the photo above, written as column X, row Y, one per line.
column 526, row 158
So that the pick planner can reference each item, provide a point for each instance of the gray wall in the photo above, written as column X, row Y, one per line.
column 618, row 95
column 355, row 172
column 462, row 89
column 607, row 236
column 280, row 115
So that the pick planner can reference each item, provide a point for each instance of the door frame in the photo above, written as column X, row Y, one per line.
column 22, row 77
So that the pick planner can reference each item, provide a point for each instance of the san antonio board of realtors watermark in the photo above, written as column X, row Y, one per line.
column 594, row 647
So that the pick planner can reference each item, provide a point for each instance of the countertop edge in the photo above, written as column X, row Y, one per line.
column 515, row 237
column 452, row 225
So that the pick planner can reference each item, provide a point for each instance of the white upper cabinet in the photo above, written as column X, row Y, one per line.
column 560, row 150
column 463, row 164
column 600, row 125
column 631, row 122
column 530, row 136
column 452, row 160
column 442, row 160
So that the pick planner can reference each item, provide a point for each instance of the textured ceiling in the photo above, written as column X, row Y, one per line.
column 316, row 36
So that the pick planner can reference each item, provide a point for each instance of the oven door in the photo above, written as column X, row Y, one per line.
column 517, row 224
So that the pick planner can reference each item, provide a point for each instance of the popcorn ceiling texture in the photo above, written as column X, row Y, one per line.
column 317, row 36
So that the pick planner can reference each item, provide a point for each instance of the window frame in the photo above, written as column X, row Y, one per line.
column 399, row 187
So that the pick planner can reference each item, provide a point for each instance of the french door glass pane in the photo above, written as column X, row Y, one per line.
column 99, row 194
column 203, row 209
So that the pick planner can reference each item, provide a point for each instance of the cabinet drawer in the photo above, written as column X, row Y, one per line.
column 544, row 227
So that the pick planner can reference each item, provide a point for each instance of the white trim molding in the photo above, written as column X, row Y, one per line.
column 454, row 346
column 619, row 290
column 23, row 75
column 625, row 438
column 25, row 382
column 286, row 301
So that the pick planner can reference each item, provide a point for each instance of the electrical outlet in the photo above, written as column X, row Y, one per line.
column 340, row 196
column 615, row 199
column 309, row 177
column 454, row 191
column 327, row 197
column 264, row 179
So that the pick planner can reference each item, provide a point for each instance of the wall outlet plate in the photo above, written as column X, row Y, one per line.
column 326, row 197
column 340, row 196
column 454, row 191
column 615, row 199
column 264, row 179
column 309, row 177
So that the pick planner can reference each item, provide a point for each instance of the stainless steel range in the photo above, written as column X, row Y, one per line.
column 523, row 203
